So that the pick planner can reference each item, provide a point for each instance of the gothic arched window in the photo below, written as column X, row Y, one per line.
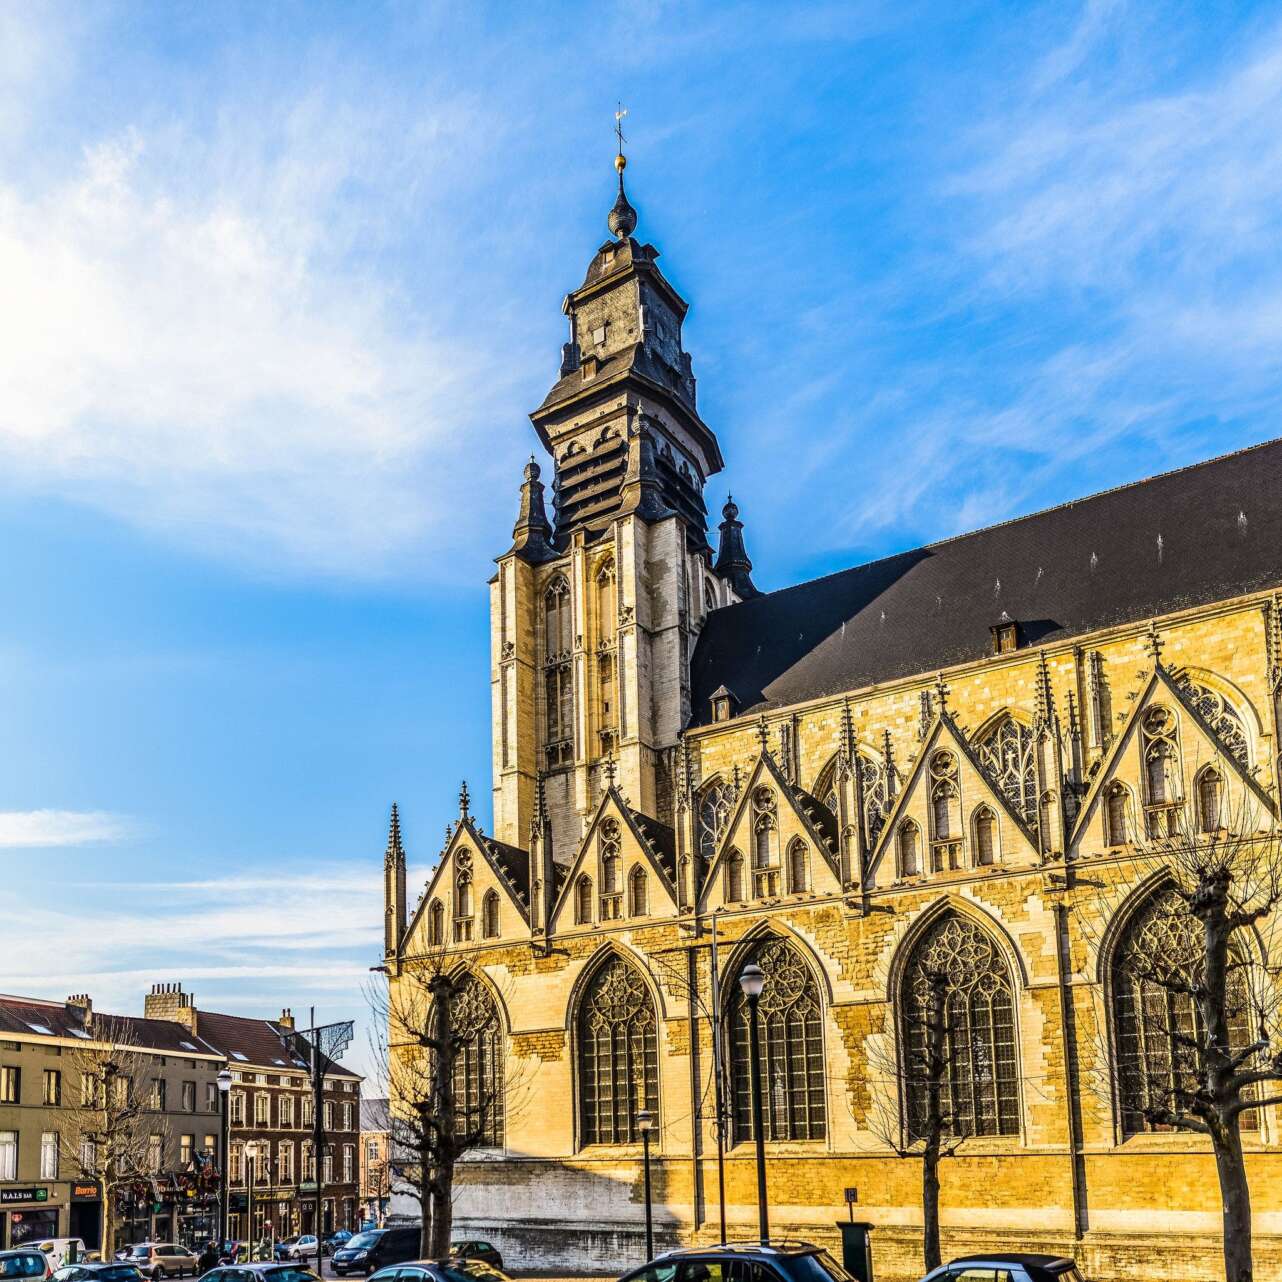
column 558, row 623
column 608, row 702
column 1008, row 756
column 436, row 923
column 638, row 894
column 611, row 875
column 985, row 838
column 713, row 810
column 1156, row 1023
column 909, row 849
column 792, row 1061
column 607, row 601
column 1223, row 718
column 478, row 1063
column 765, row 844
column 945, row 813
column 1162, row 791
column 583, row 901
column 462, row 905
column 825, row 788
column 490, row 915
column 618, row 1068
column 798, row 868
column 1210, row 800
column 980, row 1078
column 734, row 878
column 875, row 785
column 1117, row 804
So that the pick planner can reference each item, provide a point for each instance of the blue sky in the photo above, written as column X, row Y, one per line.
column 282, row 283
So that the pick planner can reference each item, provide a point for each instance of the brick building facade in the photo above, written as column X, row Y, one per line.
column 947, row 754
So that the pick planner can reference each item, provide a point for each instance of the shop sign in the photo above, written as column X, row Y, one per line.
column 307, row 1186
column 89, row 1192
column 30, row 1194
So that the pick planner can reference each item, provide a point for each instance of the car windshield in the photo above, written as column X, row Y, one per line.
column 363, row 1240
column 116, row 1273
column 22, row 1266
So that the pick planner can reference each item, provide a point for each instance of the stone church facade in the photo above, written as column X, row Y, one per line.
column 950, row 754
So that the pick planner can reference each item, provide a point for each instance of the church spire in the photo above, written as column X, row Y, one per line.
column 733, row 564
column 395, row 853
column 532, row 532
column 623, row 218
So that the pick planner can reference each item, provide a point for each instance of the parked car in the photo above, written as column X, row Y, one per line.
column 25, row 1262
column 97, row 1271
column 475, row 1249
column 260, row 1273
column 441, row 1271
column 743, row 1262
column 376, row 1249
column 63, row 1250
column 333, row 1241
column 1004, row 1267
column 156, row 1260
column 302, row 1246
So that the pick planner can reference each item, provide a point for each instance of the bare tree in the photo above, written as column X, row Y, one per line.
column 1195, row 1012
column 107, row 1130
column 447, row 1085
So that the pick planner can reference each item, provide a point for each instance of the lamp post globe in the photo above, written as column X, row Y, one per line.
column 224, row 1081
column 752, row 979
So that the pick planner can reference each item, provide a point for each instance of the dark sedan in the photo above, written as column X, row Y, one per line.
column 91, row 1271
column 265, row 1272
column 451, row 1270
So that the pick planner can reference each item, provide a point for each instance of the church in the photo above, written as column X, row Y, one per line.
column 947, row 755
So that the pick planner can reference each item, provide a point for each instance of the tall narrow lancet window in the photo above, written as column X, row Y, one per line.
column 618, row 1068
column 638, row 896
column 583, row 901
column 825, row 788
column 980, row 1079
column 558, row 686
column 490, row 915
column 792, row 1060
column 909, row 843
column 1157, row 1025
column 945, row 813
column 985, row 838
column 436, row 923
column 1117, row 805
column 734, row 878
column 478, row 1063
column 715, row 800
column 611, row 860
column 606, row 601
column 1007, row 753
column 1162, row 792
column 765, row 845
column 798, row 868
column 1210, row 800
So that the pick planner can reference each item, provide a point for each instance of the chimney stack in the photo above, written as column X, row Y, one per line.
column 168, row 1001
column 286, row 1020
column 81, row 1002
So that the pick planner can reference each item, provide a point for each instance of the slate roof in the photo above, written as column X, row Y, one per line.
column 514, row 864
column 1070, row 570
column 255, row 1042
column 32, row 1015
column 662, row 842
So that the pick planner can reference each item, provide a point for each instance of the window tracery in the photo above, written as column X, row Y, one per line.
column 1163, row 794
column 791, row 1038
column 1008, row 754
column 715, row 802
column 765, row 867
column 981, row 1079
column 945, row 813
column 1223, row 718
column 609, row 848
column 1156, row 1025
column 478, row 1063
column 618, row 1055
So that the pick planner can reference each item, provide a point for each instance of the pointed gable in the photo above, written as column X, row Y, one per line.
column 960, row 820
column 635, row 840
column 489, row 865
column 1123, row 775
column 797, row 816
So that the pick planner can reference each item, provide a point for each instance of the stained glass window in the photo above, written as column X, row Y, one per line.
column 618, row 1055
column 1223, row 718
column 980, row 1083
column 478, row 1063
column 1007, row 754
column 713, row 812
column 791, row 1037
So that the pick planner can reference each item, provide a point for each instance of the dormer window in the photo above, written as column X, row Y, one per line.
column 722, row 702
column 1005, row 635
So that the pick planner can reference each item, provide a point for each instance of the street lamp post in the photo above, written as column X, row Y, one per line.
column 224, row 1080
column 752, row 979
column 645, row 1124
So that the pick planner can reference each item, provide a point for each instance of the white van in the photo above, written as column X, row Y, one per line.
column 63, row 1250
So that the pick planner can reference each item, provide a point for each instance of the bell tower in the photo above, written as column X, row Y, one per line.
column 596, row 606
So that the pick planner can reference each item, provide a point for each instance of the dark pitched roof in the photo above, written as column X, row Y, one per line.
column 514, row 864
column 260, row 1043
column 31, row 1015
column 661, row 840
column 1070, row 570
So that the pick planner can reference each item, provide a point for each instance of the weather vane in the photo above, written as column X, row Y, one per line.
column 620, row 112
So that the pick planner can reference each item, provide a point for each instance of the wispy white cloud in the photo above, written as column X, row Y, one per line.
column 31, row 829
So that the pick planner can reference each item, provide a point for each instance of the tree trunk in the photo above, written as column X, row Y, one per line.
column 930, row 1205
column 1235, row 1193
column 442, row 1212
column 104, row 1229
